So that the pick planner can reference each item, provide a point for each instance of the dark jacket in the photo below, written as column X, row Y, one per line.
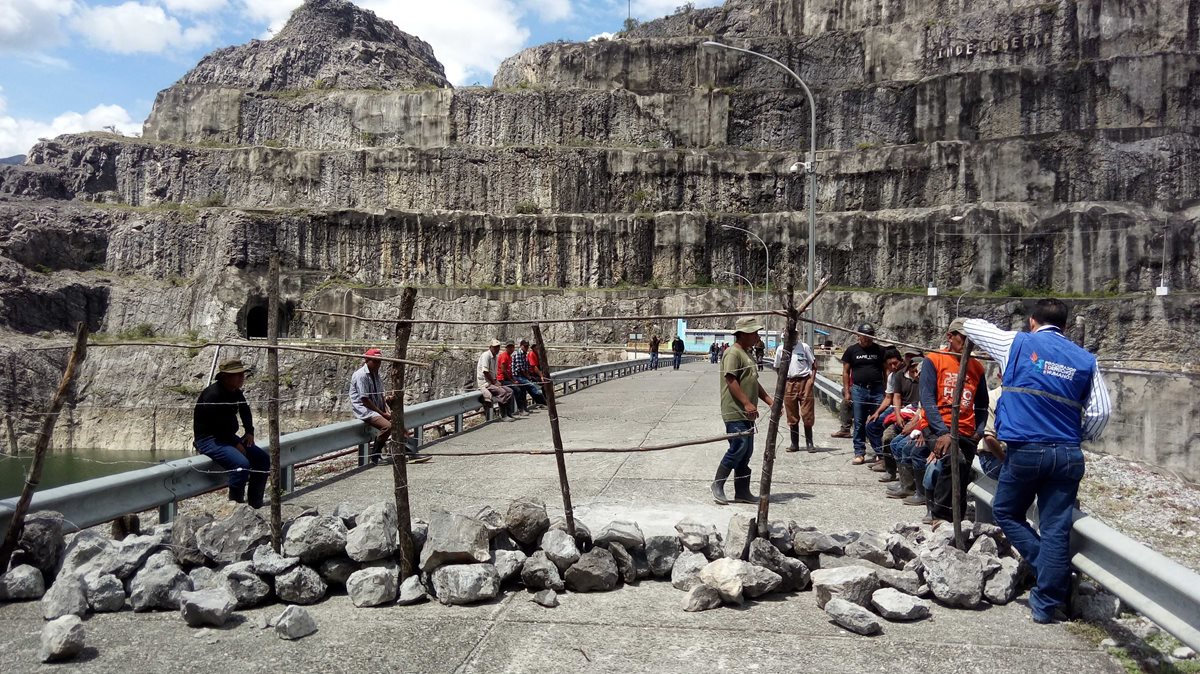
column 677, row 345
column 216, row 415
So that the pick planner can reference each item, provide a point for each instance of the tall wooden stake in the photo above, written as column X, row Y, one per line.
column 768, row 467
column 273, row 400
column 955, row 455
column 555, row 434
column 78, row 353
column 398, row 442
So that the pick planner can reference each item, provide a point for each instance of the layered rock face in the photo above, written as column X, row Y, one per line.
column 1038, row 145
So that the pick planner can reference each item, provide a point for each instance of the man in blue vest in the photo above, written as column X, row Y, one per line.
column 1054, row 397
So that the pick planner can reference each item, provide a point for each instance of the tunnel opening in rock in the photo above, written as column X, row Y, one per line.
column 252, row 320
column 256, row 323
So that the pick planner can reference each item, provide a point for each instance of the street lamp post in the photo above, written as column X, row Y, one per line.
column 810, row 167
column 744, row 279
column 765, row 250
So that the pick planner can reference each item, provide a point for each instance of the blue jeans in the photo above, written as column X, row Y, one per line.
column 712, row 357
column 1049, row 473
column 676, row 359
column 254, row 466
column 876, row 428
column 990, row 464
column 737, row 457
column 653, row 360
column 534, row 390
column 902, row 449
column 866, row 400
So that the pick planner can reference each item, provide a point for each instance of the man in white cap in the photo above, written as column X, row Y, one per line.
column 485, row 378
column 740, row 394
column 215, row 434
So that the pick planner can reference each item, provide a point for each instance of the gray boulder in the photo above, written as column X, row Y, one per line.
column 105, row 593
column 67, row 596
column 693, row 535
column 560, row 548
column 1098, row 606
column 43, row 541
column 908, row 582
column 729, row 578
column 762, row 581
column 583, row 535
column 62, row 639
column 454, row 539
column 270, row 563
column 954, row 577
column 779, row 533
column 871, row 547
column 161, row 559
column 1003, row 586
column 685, row 575
column 158, row 587
column 794, row 575
column 985, row 546
column 376, row 535
column 337, row 570
column 294, row 623
column 628, row 534
column 526, row 520
column 738, row 536
column 22, row 583
column 420, row 533
column 492, row 520
column 539, row 573
column 348, row 513
column 372, row 587
column 661, row 553
column 641, row 567
column 412, row 591
column 460, row 584
column 314, row 539
column 624, row 562
column 131, row 554
column 546, row 598
column 246, row 586
column 508, row 563
column 901, row 550
column 184, row 540
column 88, row 552
column 701, row 598
column 204, row 578
column 207, row 607
column 715, row 548
column 596, row 571
column 895, row 605
column 853, row 617
column 301, row 585
column 815, row 543
column 233, row 538
column 855, row 584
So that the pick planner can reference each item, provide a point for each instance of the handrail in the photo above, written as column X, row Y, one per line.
column 91, row 502
column 1152, row 584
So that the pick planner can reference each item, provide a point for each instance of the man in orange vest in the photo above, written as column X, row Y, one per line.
column 939, row 379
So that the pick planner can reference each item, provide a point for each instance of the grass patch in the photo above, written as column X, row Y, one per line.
column 137, row 332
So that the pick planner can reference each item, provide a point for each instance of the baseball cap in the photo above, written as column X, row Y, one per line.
column 748, row 325
column 373, row 353
column 866, row 329
column 957, row 325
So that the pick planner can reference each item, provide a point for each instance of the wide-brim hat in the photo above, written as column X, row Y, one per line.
column 495, row 342
column 958, row 325
column 748, row 324
column 232, row 366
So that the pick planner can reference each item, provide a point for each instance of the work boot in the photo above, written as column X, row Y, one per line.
column 888, row 477
column 841, row 433
column 906, row 487
column 741, row 489
column 808, row 439
column 718, row 486
column 237, row 494
column 917, row 499
column 795, row 433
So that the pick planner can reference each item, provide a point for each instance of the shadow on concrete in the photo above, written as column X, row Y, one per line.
column 787, row 497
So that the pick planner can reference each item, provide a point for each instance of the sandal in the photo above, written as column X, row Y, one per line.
column 859, row 460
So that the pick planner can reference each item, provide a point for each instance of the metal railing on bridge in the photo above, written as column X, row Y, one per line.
column 1150, row 583
column 92, row 502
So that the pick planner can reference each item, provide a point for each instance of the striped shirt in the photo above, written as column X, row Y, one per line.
column 998, row 343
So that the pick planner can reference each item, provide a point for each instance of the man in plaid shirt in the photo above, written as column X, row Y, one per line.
column 524, row 373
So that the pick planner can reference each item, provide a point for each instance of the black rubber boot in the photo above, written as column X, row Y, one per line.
column 718, row 486
column 237, row 494
column 741, row 489
column 795, row 433
column 808, row 439
column 906, row 486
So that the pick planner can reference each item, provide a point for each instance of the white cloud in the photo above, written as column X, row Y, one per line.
column 132, row 27
column 17, row 135
column 600, row 36
column 274, row 13
column 550, row 10
column 195, row 6
column 32, row 24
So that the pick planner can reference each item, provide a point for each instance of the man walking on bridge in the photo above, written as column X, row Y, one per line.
column 1054, row 399
column 740, row 394
column 676, row 352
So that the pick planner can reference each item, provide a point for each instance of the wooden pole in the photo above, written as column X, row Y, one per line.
column 78, row 353
column 764, row 481
column 555, row 432
column 398, row 442
column 955, row 458
column 273, row 401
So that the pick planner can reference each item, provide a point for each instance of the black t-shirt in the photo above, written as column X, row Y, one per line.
column 866, row 365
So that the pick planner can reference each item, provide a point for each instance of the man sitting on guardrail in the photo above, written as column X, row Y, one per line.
column 1054, row 399
column 504, row 375
column 370, row 406
column 524, row 373
column 215, row 434
column 485, row 378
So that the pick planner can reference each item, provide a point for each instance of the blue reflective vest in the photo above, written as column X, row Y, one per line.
column 1046, row 387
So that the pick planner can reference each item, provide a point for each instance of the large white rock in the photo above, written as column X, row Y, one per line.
column 375, row 536
column 294, row 623
column 67, row 596
column 22, row 583
column 62, row 639
column 314, row 539
column 895, row 605
column 372, row 586
column 465, row 583
column 454, row 539
column 852, row 616
column 301, row 585
column 210, row 607
column 560, row 548
column 729, row 577
column 954, row 577
column 233, row 538
column 855, row 584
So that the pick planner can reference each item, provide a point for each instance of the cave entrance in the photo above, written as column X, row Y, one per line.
column 256, row 322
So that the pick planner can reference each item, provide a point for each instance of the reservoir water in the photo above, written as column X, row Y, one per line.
column 61, row 468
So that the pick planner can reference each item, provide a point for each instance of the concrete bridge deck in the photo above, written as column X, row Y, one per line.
column 639, row 628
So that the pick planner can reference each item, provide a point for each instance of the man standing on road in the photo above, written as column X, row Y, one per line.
column 939, row 379
column 740, row 394
column 215, row 427
column 369, row 405
column 654, row 344
column 485, row 378
column 676, row 352
column 1054, row 399
column 798, row 393
column 714, row 353
column 862, row 386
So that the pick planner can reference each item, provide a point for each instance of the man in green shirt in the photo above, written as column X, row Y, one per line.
column 740, row 394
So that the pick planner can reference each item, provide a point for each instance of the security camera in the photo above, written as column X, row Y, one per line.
column 796, row 167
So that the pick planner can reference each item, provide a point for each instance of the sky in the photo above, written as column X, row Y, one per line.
column 79, row 65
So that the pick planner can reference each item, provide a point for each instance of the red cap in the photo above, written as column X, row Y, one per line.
column 373, row 352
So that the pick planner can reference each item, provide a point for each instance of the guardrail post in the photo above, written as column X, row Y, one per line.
column 418, row 437
column 364, row 454
column 287, row 479
column 166, row 512
column 458, row 423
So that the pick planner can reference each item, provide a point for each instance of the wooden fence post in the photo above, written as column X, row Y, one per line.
column 555, row 433
column 273, row 399
column 398, row 442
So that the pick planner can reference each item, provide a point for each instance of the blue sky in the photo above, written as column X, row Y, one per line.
column 76, row 65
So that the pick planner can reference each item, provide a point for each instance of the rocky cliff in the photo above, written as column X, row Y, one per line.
column 1014, row 148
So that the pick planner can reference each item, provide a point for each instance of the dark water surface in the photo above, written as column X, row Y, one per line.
column 61, row 468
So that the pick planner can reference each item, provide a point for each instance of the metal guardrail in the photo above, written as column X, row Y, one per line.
column 100, row 500
column 1150, row 583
